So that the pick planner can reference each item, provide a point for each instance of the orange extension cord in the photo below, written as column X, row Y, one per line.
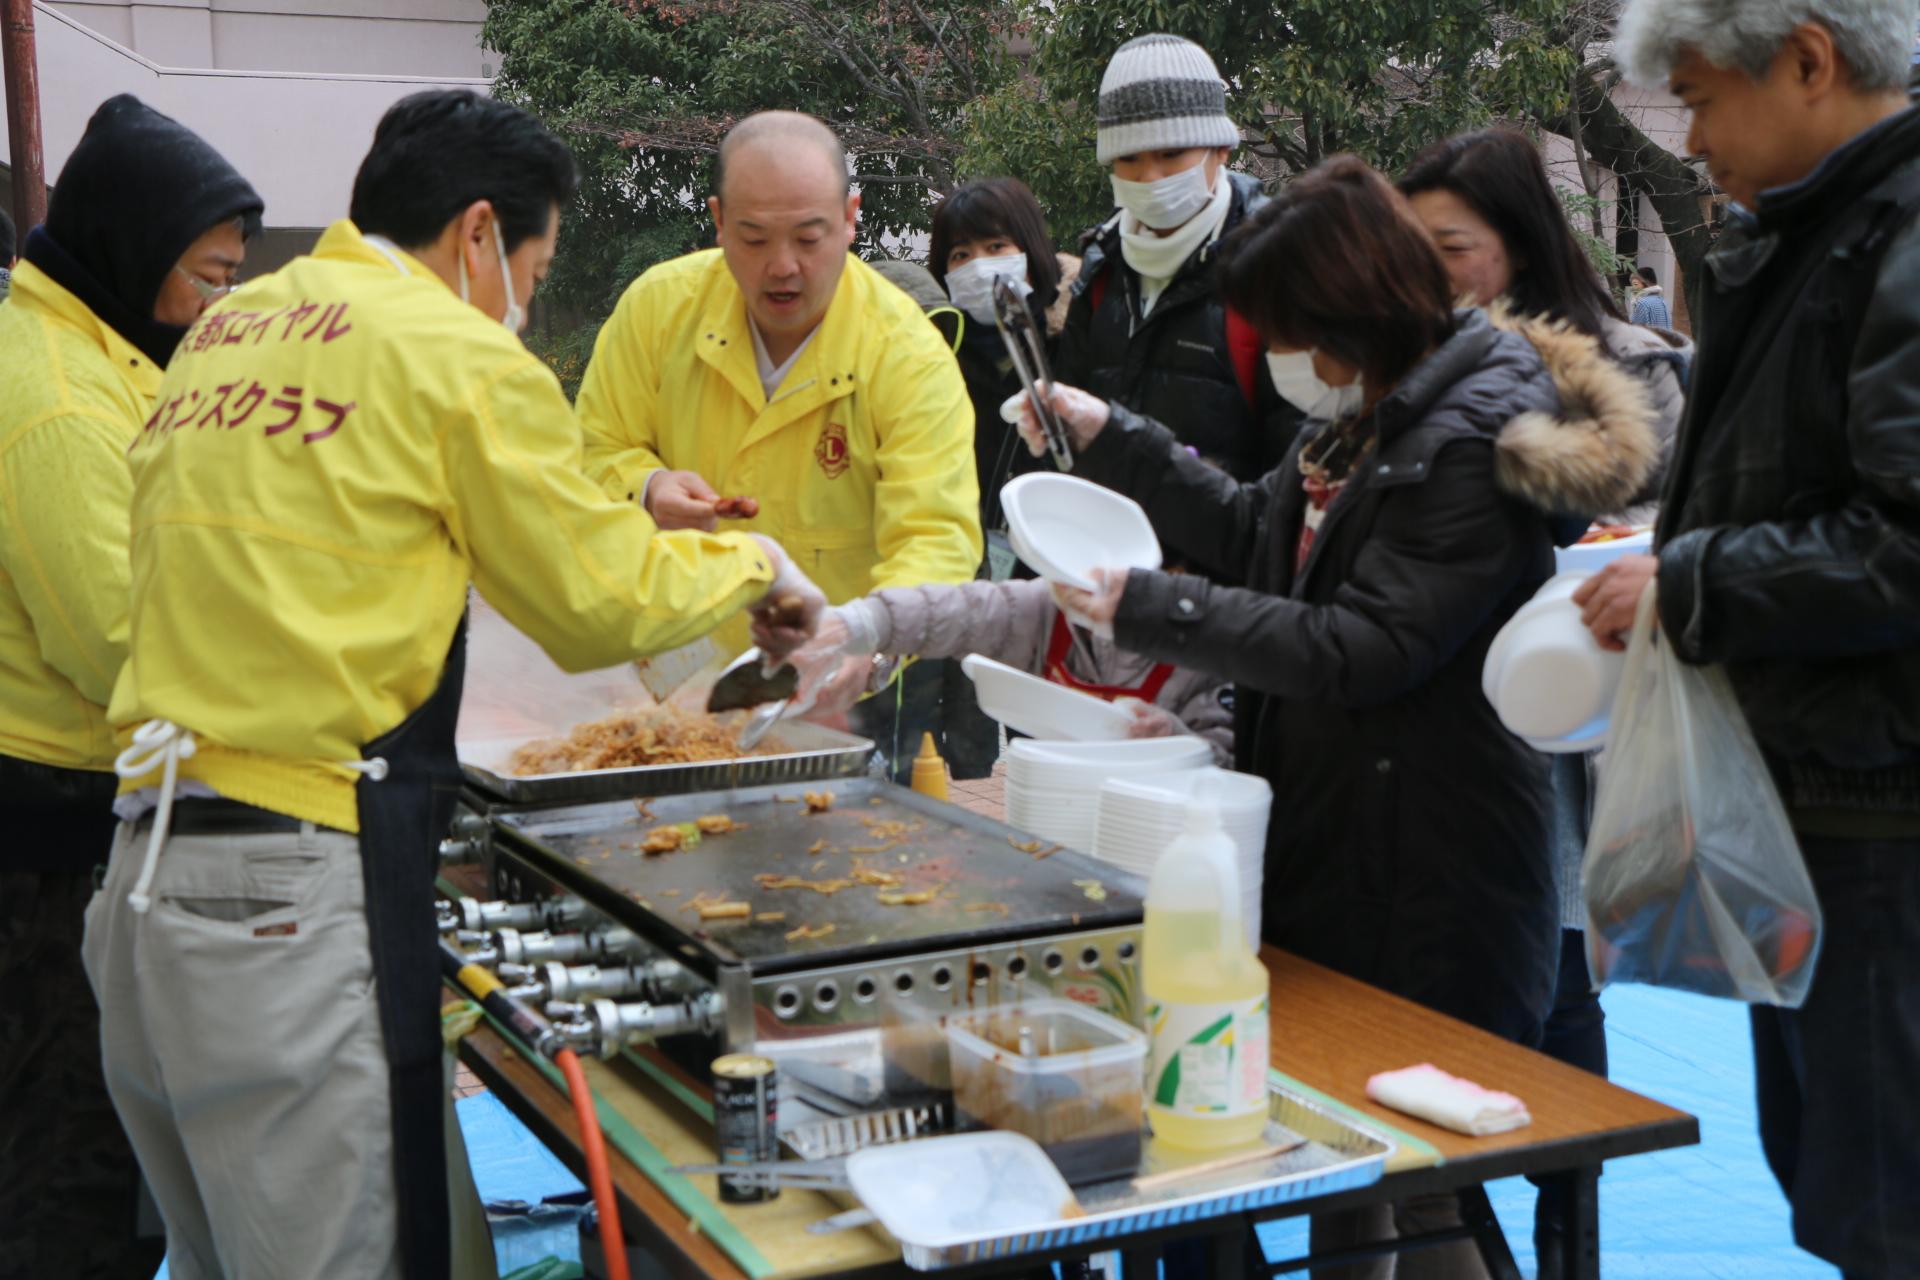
column 612, row 1241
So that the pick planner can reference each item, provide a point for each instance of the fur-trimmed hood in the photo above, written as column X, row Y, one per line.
column 1597, row 452
column 1057, row 313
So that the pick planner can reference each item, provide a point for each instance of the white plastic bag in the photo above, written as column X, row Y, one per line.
column 1693, row 878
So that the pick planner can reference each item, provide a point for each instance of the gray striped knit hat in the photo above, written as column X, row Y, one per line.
column 1162, row 92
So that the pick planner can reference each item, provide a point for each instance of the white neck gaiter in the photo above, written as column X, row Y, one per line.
column 1157, row 259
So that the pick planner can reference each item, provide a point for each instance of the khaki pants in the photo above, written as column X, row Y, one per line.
column 244, row 1054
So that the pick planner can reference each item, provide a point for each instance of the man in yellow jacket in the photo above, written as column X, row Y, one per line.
column 147, row 223
column 778, row 383
column 337, row 454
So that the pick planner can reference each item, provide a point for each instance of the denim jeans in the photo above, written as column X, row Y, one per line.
column 1839, row 1078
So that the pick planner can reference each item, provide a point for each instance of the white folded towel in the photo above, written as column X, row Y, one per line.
column 1448, row 1101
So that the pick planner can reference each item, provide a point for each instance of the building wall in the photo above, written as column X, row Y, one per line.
column 298, row 136
column 361, row 37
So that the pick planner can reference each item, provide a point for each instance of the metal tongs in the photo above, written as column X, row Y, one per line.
column 1014, row 319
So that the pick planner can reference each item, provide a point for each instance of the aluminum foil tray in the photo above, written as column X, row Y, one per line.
column 813, row 754
column 1338, row 1156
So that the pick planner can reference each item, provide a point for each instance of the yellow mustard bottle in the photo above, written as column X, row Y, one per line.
column 929, row 770
column 1206, row 990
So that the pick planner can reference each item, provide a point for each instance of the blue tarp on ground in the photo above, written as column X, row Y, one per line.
column 1710, row 1212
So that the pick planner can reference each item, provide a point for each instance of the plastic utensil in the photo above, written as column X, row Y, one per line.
column 942, row 1192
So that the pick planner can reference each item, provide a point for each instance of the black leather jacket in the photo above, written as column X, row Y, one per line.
column 1173, row 366
column 1789, row 540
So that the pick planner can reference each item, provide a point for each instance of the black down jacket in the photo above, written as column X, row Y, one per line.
column 1790, row 531
column 1173, row 366
column 1408, row 844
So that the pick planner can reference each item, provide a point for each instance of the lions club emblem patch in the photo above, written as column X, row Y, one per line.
column 830, row 451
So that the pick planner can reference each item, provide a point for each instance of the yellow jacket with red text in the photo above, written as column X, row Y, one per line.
column 73, row 393
column 863, row 460
column 338, row 450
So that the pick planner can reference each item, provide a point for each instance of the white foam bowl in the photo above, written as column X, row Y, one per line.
column 1549, row 680
column 1065, row 528
column 1591, row 557
column 1041, row 709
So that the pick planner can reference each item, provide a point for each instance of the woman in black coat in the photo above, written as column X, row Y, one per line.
column 1414, row 514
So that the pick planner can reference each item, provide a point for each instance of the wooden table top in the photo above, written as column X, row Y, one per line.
column 1332, row 1032
column 1329, row 1032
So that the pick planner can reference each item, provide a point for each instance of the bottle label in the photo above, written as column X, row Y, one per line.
column 1209, row 1059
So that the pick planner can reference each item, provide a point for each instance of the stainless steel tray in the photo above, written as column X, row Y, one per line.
column 1338, row 1156
column 814, row 754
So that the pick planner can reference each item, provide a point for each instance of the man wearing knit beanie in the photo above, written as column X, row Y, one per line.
column 1146, row 327
column 146, row 224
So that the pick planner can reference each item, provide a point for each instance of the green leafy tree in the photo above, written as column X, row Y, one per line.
column 644, row 90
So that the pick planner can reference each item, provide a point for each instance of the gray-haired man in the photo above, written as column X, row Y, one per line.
column 1789, row 551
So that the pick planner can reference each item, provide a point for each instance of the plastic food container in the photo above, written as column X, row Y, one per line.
column 1071, row 1079
column 944, row 1193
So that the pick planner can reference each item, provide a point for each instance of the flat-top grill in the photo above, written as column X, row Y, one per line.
column 990, row 883
column 820, row 973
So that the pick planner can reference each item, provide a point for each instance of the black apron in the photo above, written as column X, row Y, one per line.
column 403, row 818
column 55, row 819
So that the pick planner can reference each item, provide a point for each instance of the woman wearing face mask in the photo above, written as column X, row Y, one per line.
column 1147, row 327
column 1415, row 513
column 985, row 232
column 1486, row 200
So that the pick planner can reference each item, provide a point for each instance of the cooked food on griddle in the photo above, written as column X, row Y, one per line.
column 819, row 801
column 718, row 824
column 663, row 840
column 630, row 739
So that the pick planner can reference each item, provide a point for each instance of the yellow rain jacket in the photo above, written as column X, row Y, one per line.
column 338, row 450
column 863, row 460
column 73, row 393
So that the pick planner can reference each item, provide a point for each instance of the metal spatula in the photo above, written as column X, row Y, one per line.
column 665, row 673
column 746, row 683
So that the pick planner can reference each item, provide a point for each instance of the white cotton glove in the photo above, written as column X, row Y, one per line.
column 1150, row 721
column 1084, row 414
column 787, row 616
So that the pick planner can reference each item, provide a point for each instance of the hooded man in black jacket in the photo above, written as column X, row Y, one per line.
column 1788, row 551
column 147, row 224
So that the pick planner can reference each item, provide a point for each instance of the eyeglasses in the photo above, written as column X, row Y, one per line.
column 209, row 293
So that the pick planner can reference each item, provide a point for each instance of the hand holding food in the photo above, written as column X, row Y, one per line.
column 1610, row 598
column 1094, row 610
column 1084, row 416
column 786, row 617
column 682, row 500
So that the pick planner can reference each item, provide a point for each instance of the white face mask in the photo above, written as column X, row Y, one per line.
column 1168, row 203
column 970, row 284
column 1300, row 386
column 516, row 317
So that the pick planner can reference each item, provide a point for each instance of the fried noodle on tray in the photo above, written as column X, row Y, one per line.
column 631, row 739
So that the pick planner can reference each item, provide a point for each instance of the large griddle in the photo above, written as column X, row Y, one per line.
column 594, row 850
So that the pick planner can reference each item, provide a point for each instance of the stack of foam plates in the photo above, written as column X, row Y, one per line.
column 1592, row 557
column 1053, row 788
column 1139, row 817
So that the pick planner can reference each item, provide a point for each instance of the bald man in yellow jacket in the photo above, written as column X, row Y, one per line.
column 779, row 384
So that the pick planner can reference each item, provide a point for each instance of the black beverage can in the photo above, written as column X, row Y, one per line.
column 746, row 1102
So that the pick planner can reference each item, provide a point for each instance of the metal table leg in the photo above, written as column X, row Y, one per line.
column 1580, row 1243
column 1476, row 1214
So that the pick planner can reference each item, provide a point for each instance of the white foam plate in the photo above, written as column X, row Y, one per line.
column 1040, row 708
column 1066, row 527
column 1591, row 557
